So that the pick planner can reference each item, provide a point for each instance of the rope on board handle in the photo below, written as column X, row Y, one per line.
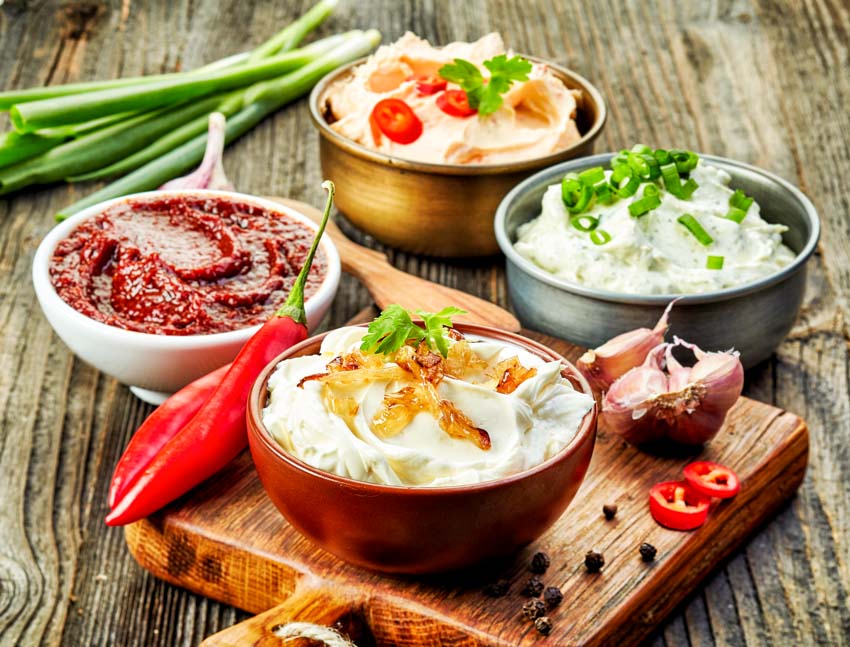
column 310, row 631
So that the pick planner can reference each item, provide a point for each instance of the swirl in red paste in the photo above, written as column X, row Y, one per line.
column 183, row 266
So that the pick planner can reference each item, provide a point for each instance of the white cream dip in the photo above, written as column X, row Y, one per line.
column 526, row 427
column 655, row 254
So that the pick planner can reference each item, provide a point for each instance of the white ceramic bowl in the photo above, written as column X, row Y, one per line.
column 157, row 365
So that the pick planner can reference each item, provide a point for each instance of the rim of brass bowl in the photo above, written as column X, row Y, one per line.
column 572, row 80
column 259, row 395
column 506, row 241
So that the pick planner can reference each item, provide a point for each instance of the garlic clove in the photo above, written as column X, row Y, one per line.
column 627, row 408
column 210, row 174
column 604, row 364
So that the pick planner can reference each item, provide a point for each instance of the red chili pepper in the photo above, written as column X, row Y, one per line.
column 216, row 433
column 429, row 84
column 396, row 120
column 160, row 427
column 455, row 103
column 676, row 505
column 712, row 479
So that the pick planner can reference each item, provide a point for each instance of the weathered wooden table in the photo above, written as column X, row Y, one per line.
column 764, row 82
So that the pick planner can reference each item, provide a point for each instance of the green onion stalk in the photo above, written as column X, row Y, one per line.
column 100, row 147
column 228, row 106
column 284, row 40
column 272, row 97
column 32, row 116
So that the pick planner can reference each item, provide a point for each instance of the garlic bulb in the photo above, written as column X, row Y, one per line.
column 602, row 365
column 210, row 174
column 663, row 399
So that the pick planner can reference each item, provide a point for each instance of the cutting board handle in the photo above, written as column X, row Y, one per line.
column 309, row 603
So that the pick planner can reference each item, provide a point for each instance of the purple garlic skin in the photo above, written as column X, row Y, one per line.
column 604, row 364
column 210, row 174
column 661, row 399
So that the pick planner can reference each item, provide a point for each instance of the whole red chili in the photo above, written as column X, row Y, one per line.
column 160, row 427
column 216, row 433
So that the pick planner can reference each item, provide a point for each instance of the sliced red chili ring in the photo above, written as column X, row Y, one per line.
column 676, row 505
column 396, row 120
column 429, row 84
column 455, row 103
column 712, row 479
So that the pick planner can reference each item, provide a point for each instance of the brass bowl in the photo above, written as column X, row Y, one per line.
column 434, row 209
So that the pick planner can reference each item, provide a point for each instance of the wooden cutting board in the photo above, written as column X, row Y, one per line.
column 226, row 540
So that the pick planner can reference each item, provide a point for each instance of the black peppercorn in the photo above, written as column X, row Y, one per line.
column 647, row 552
column 609, row 510
column 543, row 625
column 594, row 561
column 533, row 588
column 498, row 588
column 533, row 609
column 539, row 563
column 552, row 596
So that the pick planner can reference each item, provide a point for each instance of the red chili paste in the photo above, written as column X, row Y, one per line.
column 182, row 265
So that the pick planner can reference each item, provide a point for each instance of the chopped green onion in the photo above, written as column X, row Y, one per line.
column 686, row 161
column 624, row 182
column 575, row 194
column 592, row 175
column 693, row 226
column 600, row 237
column 672, row 182
column 579, row 222
column 688, row 188
column 714, row 263
column 647, row 203
column 604, row 195
column 736, row 215
column 740, row 200
column 645, row 166
column 662, row 156
column 641, row 149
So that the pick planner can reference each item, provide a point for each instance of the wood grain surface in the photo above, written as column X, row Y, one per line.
column 764, row 81
column 226, row 540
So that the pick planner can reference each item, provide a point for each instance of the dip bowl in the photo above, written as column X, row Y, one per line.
column 752, row 318
column 435, row 209
column 157, row 365
column 403, row 529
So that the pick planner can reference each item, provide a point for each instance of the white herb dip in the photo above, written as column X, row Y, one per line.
column 655, row 254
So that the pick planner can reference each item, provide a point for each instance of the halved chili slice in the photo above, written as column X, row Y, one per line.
column 712, row 479
column 396, row 120
column 455, row 103
column 429, row 84
column 676, row 505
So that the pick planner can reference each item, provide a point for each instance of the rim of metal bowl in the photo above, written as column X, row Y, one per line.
column 458, row 169
column 540, row 274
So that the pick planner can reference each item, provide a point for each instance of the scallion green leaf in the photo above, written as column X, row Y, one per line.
column 714, row 263
column 600, row 237
column 736, row 215
column 592, row 175
column 686, row 161
column 604, row 195
column 650, row 200
column 575, row 194
column 693, row 226
column 740, row 200
column 624, row 182
column 579, row 222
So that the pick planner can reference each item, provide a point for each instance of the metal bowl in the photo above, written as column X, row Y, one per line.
column 752, row 318
column 435, row 209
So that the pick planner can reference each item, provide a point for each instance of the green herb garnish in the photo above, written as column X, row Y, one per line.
column 693, row 226
column 483, row 95
column 714, row 263
column 394, row 328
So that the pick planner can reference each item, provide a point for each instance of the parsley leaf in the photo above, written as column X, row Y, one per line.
column 434, row 325
column 394, row 328
column 486, row 96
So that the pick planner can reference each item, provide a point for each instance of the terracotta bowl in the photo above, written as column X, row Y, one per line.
column 419, row 529
column 434, row 209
